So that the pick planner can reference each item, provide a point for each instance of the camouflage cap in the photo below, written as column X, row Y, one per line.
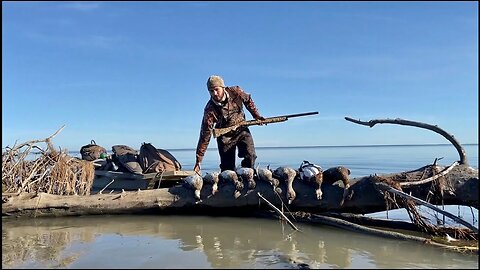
column 214, row 81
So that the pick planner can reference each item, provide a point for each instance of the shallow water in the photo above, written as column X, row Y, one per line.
column 206, row 242
column 133, row 241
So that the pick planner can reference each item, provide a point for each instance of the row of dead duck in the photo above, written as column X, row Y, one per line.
column 311, row 174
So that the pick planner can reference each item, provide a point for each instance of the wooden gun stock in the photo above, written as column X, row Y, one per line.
column 221, row 131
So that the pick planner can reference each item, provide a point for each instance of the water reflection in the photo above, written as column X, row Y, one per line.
column 206, row 242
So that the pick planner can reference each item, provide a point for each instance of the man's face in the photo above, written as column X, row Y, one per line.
column 217, row 93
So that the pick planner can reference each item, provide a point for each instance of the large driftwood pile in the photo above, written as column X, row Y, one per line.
column 456, row 184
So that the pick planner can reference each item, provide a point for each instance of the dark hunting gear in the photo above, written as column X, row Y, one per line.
column 152, row 159
column 126, row 158
column 220, row 131
column 92, row 151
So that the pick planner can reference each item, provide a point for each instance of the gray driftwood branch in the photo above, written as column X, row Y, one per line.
column 398, row 121
column 385, row 187
column 46, row 140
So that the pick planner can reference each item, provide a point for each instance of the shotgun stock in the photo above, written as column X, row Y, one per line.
column 276, row 119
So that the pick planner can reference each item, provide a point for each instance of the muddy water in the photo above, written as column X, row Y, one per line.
column 206, row 242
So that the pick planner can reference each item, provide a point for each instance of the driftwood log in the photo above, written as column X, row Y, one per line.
column 366, row 198
column 458, row 186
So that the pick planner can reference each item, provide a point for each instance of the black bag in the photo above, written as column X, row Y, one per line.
column 126, row 158
column 153, row 160
column 92, row 151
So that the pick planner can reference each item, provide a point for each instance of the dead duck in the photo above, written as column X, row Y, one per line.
column 265, row 174
column 287, row 175
column 229, row 176
column 194, row 182
column 212, row 178
column 246, row 175
column 312, row 174
column 334, row 174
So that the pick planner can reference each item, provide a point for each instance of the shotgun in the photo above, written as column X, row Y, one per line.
column 220, row 131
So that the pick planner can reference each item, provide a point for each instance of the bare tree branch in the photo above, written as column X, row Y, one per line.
column 444, row 172
column 385, row 187
column 37, row 141
column 398, row 121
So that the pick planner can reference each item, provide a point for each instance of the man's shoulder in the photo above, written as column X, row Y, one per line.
column 210, row 106
column 234, row 89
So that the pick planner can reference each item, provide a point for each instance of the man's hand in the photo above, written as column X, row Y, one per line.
column 261, row 118
column 196, row 168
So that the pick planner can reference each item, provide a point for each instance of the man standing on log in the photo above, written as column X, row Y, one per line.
column 224, row 109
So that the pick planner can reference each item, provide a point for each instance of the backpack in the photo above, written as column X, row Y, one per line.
column 92, row 151
column 126, row 157
column 152, row 159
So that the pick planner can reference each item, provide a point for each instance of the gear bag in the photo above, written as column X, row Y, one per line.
column 153, row 160
column 92, row 151
column 126, row 157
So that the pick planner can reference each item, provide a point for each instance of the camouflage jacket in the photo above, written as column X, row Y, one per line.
column 223, row 116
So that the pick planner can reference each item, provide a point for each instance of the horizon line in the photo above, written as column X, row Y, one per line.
column 332, row 146
column 319, row 146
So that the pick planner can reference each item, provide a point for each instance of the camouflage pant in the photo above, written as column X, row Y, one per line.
column 227, row 146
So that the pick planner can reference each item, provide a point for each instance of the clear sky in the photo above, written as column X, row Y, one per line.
column 133, row 72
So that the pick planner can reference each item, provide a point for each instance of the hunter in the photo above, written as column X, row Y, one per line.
column 224, row 109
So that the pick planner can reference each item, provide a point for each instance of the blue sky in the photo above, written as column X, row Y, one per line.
column 133, row 72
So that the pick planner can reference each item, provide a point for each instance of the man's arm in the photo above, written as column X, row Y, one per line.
column 249, row 103
column 208, row 121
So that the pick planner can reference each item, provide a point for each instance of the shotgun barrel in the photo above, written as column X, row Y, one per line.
column 221, row 131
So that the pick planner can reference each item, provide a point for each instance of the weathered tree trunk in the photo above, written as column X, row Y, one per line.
column 462, row 183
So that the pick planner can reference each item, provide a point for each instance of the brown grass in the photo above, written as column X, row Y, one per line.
column 50, row 171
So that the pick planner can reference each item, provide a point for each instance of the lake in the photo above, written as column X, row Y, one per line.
column 206, row 242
